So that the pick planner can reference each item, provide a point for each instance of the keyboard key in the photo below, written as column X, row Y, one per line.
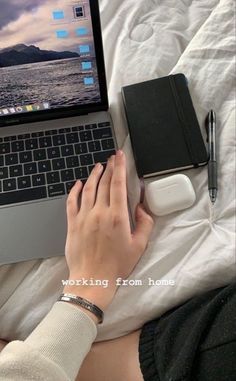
column 104, row 124
column 81, row 148
column 4, row 148
column 102, row 133
column 64, row 130
column 26, row 157
column 31, row 144
column 30, row 168
column 108, row 144
column 67, row 175
column 58, row 164
column 53, row 152
column 23, row 136
column 90, row 167
column 3, row 173
column 67, row 150
column 56, row 190
column 9, row 185
column 45, row 142
column 58, row 140
column 81, row 173
column 38, row 180
column 24, row 182
column 9, row 138
column 11, row 159
column 44, row 166
column 94, row 146
column 72, row 138
column 1, row 161
column 100, row 157
column 39, row 154
column 53, row 177
column 78, row 128
column 51, row 132
column 85, row 136
column 17, row 146
column 90, row 126
column 37, row 134
column 72, row 162
column 23, row 196
column 69, row 186
column 16, row 171
column 86, row 159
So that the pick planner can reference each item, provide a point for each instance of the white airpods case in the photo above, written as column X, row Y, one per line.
column 169, row 194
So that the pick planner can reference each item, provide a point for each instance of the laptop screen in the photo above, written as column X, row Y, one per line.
column 47, row 56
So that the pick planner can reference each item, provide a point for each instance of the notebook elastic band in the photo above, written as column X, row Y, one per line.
column 183, row 122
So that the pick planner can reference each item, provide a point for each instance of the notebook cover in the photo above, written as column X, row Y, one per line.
column 164, row 130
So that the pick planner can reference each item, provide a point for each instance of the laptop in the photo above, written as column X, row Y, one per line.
column 54, row 120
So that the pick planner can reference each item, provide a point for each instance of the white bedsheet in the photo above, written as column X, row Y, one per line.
column 196, row 247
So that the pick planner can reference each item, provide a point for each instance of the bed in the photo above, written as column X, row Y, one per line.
column 193, row 249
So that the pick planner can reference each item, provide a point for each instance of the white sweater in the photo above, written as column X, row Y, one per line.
column 54, row 351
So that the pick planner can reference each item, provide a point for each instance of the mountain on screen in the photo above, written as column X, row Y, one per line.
column 22, row 54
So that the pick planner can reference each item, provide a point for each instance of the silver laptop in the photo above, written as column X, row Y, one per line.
column 54, row 124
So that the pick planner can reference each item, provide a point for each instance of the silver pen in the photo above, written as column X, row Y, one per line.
column 212, row 164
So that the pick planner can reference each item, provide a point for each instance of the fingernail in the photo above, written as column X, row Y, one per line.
column 99, row 166
column 119, row 153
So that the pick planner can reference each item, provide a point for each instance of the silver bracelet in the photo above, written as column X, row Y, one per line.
column 70, row 298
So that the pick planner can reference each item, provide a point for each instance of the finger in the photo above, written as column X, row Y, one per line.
column 90, row 189
column 73, row 200
column 103, row 193
column 118, row 191
column 144, row 225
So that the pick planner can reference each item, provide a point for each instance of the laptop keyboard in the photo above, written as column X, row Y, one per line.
column 46, row 164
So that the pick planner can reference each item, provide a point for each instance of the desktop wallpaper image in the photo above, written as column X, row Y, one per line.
column 47, row 53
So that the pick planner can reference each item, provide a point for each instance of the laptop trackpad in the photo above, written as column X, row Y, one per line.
column 32, row 231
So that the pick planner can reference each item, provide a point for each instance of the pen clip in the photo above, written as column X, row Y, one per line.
column 207, row 127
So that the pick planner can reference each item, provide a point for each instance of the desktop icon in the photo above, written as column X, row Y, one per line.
column 12, row 110
column 88, row 81
column 29, row 108
column 62, row 33
column 36, row 107
column 5, row 111
column 86, row 65
column 81, row 31
column 46, row 105
column 83, row 49
column 58, row 15
column 19, row 109
column 79, row 11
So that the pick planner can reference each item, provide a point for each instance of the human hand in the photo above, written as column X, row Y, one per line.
column 99, row 242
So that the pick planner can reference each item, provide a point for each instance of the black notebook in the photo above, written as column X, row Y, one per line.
column 164, row 130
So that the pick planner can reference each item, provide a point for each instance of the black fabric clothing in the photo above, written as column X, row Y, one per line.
column 193, row 342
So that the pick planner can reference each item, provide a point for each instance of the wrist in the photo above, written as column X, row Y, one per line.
column 95, row 294
column 81, row 304
column 84, row 310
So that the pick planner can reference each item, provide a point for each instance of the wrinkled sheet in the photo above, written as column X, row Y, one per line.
column 196, row 247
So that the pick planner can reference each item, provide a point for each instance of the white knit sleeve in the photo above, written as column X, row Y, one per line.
column 55, row 350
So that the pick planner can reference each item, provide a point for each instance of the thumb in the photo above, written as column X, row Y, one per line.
column 144, row 225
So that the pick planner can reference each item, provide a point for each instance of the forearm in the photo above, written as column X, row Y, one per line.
column 54, row 350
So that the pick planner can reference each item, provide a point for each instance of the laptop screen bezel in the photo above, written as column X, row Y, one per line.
column 64, row 112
